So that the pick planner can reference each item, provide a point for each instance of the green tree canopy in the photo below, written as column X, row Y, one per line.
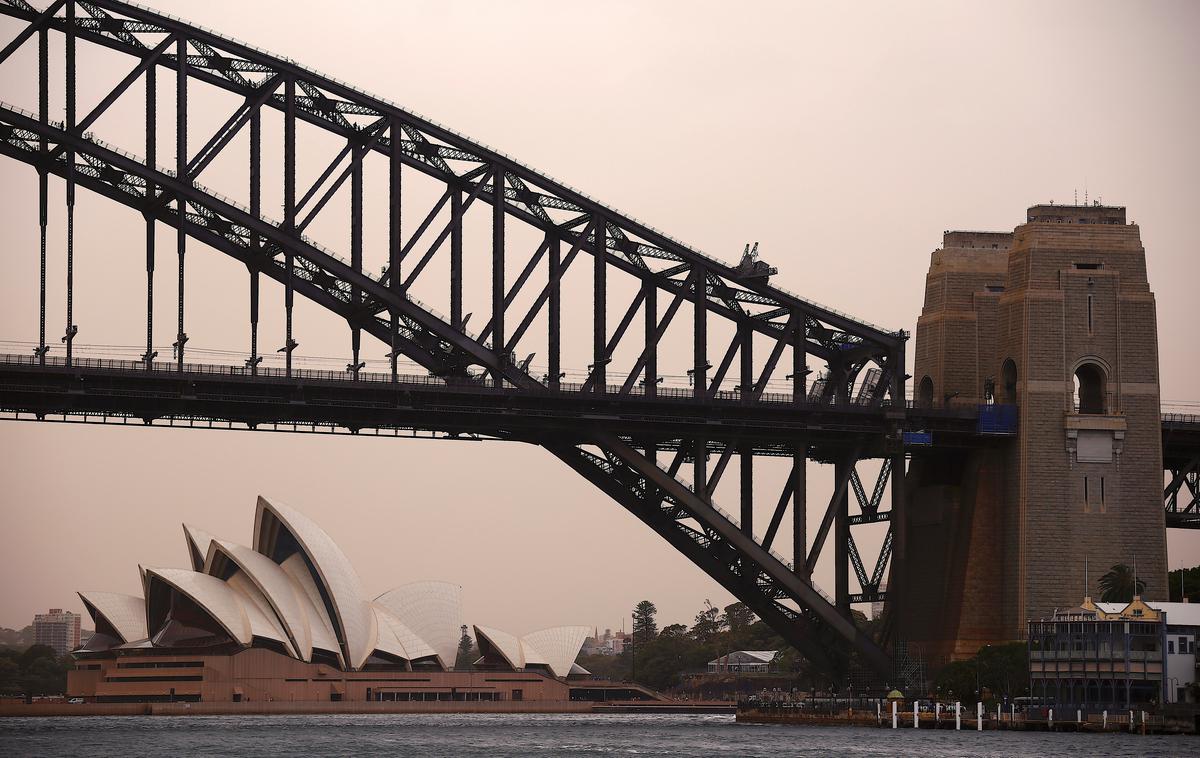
column 738, row 616
column 645, row 628
column 1118, row 585
column 467, row 653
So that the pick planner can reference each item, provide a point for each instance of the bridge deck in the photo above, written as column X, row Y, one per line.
column 117, row 391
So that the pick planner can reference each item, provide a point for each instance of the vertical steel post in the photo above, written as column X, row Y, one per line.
column 181, row 160
column 799, row 459
column 43, row 185
column 700, row 467
column 841, row 539
column 746, row 456
column 651, row 306
column 700, row 332
column 395, row 241
column 456, row 259
column 746, row 350
column 554, row 314
column 151, row 199
column 799, row 476
column 899, row 507
column 289, row 211
column 69, row 337
column 255, row 240
column 498, row 348
column 599, row 376
column 356, row 243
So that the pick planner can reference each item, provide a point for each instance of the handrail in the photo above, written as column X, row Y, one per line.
column 681, row 394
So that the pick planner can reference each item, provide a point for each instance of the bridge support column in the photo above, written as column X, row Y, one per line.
column 498, row 349
column 181, row 173
column 799, row 487
column 69, row 337
column 746, row 456
column 841, row 539
column 43, row 188
column 395, row 243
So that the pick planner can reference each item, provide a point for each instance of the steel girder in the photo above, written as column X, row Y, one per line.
column 382, row 307
column 525, row 193
column 1183, row 512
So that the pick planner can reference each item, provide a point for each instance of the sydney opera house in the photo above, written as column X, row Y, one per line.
column 287, row 620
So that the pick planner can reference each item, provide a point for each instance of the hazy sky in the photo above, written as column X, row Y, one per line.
column 843, row 138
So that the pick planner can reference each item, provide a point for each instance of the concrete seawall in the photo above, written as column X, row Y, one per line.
column 268, row 708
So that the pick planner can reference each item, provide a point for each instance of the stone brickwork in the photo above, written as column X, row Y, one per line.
column 1065, row 291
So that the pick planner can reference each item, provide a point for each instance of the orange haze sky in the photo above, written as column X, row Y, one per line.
column 842, row 137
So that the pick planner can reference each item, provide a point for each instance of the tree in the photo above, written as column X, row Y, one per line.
column 10, row 674
column 1183, row 583
column 708, row 623
column 1117, row 586
column 645, row 628
column 466, row 651
column 674, row 630
column 738, row 617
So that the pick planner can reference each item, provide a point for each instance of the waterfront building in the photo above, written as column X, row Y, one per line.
column 1115, row 655
column 57, row 629
column 288, row 620
column 744, row 662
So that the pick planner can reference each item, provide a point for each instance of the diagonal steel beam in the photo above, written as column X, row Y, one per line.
column 676, row 301
column 42, row 20
column 515, row 290
column 831, row 511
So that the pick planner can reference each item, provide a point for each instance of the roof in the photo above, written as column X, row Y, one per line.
column 354, row 622
column 432, row 610
column 215, row 597
column 765, row 656
column 397, row 639
column 125, row 613
column 559, row 646
column 1183, row 614
column 319, row 625
column 505, row 644
column 280, row 591
column 197, row 544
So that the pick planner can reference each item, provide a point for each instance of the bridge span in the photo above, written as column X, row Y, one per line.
column 618, row 427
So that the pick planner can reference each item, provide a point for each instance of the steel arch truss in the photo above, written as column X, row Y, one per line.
column 864, row 365
column 1182, row 495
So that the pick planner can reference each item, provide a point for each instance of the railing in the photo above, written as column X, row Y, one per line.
column 479, row 384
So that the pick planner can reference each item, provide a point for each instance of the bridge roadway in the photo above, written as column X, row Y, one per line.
column 121, row 391
column 117, row 391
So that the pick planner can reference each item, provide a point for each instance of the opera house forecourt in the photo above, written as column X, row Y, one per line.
column 287, row 620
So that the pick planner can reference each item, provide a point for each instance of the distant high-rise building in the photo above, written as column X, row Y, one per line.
column 58, row 629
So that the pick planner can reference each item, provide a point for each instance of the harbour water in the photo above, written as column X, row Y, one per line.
column 537, row 735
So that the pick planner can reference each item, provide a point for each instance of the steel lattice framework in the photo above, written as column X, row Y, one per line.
column 617, row 428
column 571, row 225
column 612, row 428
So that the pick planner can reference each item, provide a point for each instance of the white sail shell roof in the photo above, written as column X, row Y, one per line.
column 262, row 619
column 432, row 610
column 214, row 596
column 354, row 621
column 279, row 590
column 507, row 645
column 198, row 541
column 319, row 624
column 558, row 645
column 125, row 613
column 396, row 638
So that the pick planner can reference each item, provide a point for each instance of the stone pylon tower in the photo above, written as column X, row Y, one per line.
column 1057, row 319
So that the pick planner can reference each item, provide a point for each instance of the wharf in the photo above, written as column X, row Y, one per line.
column 1181, row 722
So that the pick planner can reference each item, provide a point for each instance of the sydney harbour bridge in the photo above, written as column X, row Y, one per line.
column 660, row 451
